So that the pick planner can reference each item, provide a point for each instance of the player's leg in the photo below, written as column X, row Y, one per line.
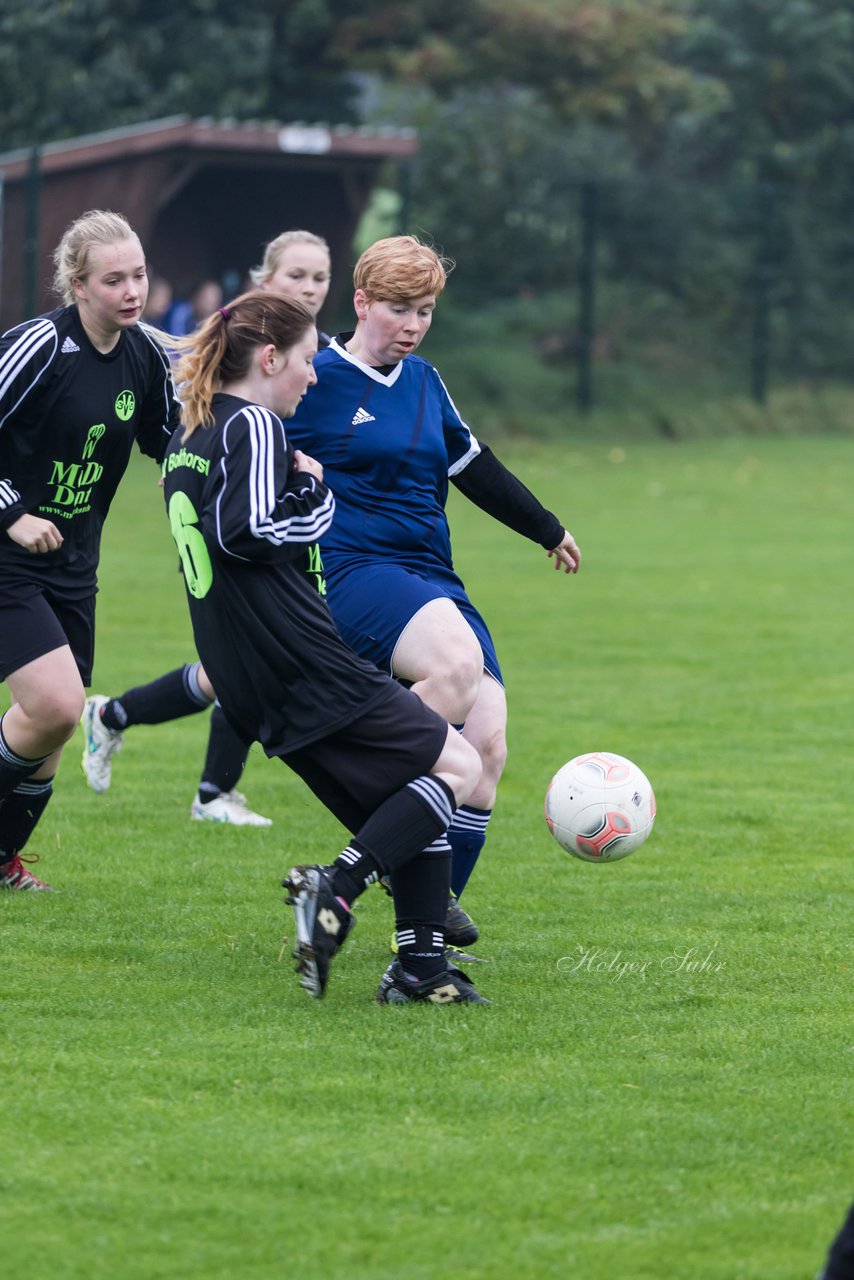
column 421, row 970
column 216, row 799
column 437, row 638
column 426, row 633
column 840, row 1260
column 47, row 696
column 46, row 651
column 420, row 888
column 486, row 730
column 361, row 774
column 182, row 692
column 439, row 657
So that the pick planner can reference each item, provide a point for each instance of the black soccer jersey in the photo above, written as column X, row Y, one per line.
column 246, row 525
column 68, row 418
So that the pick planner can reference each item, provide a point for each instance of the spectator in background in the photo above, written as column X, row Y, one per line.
column 159, row 301
column 186, row 315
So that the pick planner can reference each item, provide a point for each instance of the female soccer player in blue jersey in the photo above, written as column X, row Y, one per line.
column 296, row 263
column 390, row 438
column 246, row 509
column 77, row 387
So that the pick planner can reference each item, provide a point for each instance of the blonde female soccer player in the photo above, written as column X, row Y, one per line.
column 78, row 386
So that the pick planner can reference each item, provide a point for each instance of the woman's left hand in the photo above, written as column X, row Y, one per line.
column 304, row 462
column 566, row 554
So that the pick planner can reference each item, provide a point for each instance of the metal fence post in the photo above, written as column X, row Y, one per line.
column 404, row 191
column 762, row 275
column 31, row 237
column 587, row 295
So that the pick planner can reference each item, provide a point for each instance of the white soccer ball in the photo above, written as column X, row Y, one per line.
column 600, row 807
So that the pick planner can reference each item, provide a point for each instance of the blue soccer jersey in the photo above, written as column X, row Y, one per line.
column 388, row 442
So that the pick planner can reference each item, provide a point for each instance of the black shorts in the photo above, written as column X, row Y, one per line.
column 33, row 622
column 354, row 769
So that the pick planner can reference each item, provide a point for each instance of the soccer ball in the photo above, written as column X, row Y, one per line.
column 600, row 807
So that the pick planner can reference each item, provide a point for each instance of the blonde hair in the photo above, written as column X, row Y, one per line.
column 89, row 231
column 221, row 349
column 399, row 268
column 274, row 250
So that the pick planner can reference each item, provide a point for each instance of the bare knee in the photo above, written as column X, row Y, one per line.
column 493, row 760
column 486, row 730
column 470, row 767
column 205, row 684
column 55, row 713
column 493, row 756
column 464, row 676
column 459, row 766
column 63, row 714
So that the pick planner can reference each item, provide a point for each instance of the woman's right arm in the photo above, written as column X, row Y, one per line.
column 264, row 511
column 26, row 353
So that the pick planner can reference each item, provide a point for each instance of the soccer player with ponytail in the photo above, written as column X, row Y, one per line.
column 246, row 510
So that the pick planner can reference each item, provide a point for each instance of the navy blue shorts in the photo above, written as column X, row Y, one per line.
column 33, row 622
column 373, row 603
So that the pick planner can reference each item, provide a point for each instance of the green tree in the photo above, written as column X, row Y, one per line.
column 604, row 60
column 786, row 75
column 786, row 126
column 70, row 68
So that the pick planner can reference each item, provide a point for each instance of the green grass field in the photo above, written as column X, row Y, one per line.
column 662, row 1087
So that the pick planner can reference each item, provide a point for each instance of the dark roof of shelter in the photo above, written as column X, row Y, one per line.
column 339, row 142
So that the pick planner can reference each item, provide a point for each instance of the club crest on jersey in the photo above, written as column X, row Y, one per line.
column 125, row 405
column 360, row 416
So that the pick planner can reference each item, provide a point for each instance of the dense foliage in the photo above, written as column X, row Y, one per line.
column 717, row 135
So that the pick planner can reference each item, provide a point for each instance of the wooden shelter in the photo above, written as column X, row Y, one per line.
column 205, row 196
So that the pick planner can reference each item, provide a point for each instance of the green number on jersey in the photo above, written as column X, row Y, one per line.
column 195, row 560
column 315, row 568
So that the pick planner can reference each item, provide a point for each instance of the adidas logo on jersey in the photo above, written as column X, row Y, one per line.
column 69, row 345
column 362, row 415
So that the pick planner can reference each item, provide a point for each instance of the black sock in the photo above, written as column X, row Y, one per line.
column 225, row 759
column 405, row 824
column 170, row 697
column 401, row 828
column 14, row 768
column 420, row 889
column 354, row 869
column 20, row 813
